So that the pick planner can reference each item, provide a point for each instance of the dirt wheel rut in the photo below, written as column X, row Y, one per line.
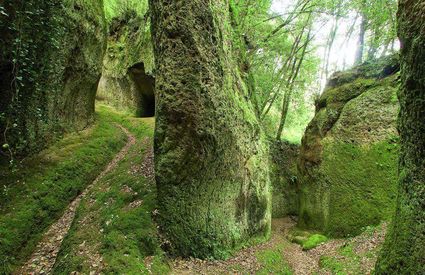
column 44, row 257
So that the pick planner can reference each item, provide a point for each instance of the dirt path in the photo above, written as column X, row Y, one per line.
column 301, row 262
column 44, row 256
column 246, row 260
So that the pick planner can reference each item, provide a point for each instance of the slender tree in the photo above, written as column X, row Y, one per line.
column 361, row 42
column 291, row 83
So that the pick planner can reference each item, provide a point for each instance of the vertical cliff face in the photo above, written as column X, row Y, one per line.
column 210, row 160
column 127, row 81
column 283, row 177
column 348, row 159
column 404, row 251
column 50, row 65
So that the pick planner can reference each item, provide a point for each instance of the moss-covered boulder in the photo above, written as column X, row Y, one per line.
column 50, row 64
column 348, row 158
column 283, row 178
column 210, row 156
column 127, row 81
column 404, row 249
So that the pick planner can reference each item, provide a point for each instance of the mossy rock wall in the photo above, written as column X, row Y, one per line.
column 120, row 93
column 283, row 177
column 133, row 93
column 127, row 79
column 403, row 251
column 348, row 160
column 51, row 62
column 210, row 152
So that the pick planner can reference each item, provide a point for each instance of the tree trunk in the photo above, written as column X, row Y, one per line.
column 361, row 44
column 288, row 95
column 371, row 53
column 347, row 40
column 330, row 41
column 404, row 250
column 282, row 73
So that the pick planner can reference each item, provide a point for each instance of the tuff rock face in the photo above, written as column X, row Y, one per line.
column 127, row 81
column 210, row 157
column 49, row 76
column 404, row 252
column 283, row 177
column 348, row 159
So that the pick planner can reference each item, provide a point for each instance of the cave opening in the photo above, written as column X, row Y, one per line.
column 133, row 92
column 145, row 87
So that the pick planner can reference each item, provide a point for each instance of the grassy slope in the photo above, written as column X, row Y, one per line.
column 114, row 230
column 35, row 195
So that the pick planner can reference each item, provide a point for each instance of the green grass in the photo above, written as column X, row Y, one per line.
column 333, row 265
column 121, row 235
column 348, row 259
column 348, row 262
column 36, row 194
column 273, row 261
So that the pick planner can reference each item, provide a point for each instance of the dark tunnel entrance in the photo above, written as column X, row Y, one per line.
column 145, row 85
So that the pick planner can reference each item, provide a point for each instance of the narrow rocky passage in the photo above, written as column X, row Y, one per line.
column 277, row 256
column 45, row 254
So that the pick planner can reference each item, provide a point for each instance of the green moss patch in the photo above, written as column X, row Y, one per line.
column 363, row 181
column 54, row 56
column 349, row 154
column 35, row 195
column 115, row 220
column 273, row 261
column 210, row 152
column 308, row 240
column 346, row 262
column 314, row 241
column 355, row 255
column 283, row 177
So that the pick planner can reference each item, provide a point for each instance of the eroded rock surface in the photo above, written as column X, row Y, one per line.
column 127, row 81
column 51, row 59
column 348, row 161
column 404, row 251
column 210, row 158
column 284, row 176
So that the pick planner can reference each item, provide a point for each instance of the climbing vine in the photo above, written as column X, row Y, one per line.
column 33, row 30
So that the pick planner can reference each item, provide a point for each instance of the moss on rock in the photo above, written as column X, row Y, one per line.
column 283, row 177
column 313, row 241
column 51, row 58
column 348, row 160
column 403, row 251
column 210, row 155
column 127, row 80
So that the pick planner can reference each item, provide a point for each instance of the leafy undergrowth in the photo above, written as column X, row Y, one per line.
column 273, row 261
column 113, row 231
column 35, row 194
